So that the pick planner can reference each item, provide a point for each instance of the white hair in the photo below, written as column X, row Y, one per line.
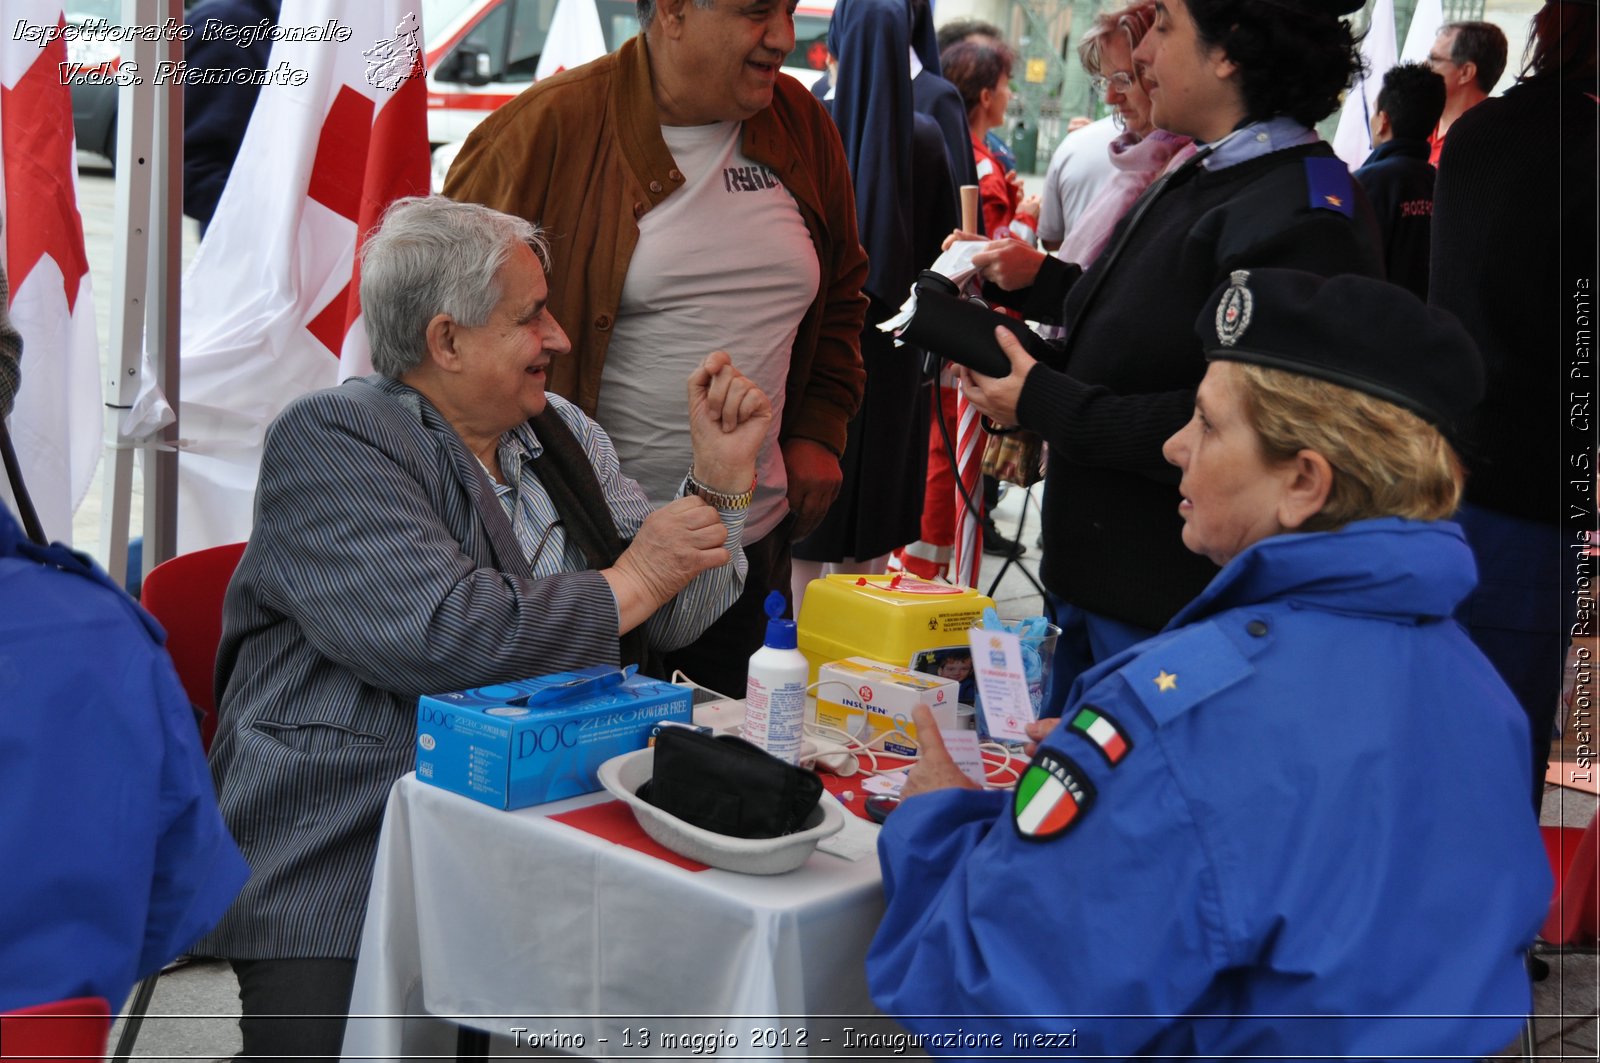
column 429, row 256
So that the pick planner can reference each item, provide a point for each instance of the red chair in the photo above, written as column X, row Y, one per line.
column 185, row 594
column 1574, row 919
column 63, row 1030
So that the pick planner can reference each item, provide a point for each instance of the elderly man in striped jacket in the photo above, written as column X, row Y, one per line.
column 440, row 525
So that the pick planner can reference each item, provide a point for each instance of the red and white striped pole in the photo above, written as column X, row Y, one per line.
column 969, row 475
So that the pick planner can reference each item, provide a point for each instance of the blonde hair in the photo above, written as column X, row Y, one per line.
column 1133, row 21
column 1387, row 461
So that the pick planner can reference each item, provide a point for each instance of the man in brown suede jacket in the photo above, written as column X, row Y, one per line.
column 696, row 199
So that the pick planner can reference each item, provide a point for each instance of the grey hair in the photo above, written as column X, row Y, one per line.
column 647, row 10
column 430, row 255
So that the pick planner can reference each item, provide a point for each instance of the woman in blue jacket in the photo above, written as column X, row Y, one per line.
column 1289, row 823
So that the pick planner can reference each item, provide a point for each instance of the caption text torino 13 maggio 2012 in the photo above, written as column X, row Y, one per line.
column 711, row 1042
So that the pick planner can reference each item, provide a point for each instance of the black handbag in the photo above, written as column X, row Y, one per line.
column 729, row 786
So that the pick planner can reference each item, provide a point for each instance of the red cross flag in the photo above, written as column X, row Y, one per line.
column 56, row 423
column 270, row 303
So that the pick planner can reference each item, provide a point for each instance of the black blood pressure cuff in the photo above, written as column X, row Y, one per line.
column 727, row 785
column 963, row 331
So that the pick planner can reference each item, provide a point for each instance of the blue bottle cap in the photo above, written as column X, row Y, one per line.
column 781, row 634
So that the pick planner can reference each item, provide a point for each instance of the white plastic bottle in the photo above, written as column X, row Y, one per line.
column 775, row 694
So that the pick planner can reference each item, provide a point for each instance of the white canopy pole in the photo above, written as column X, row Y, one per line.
column 145, row 286
column 164, row 313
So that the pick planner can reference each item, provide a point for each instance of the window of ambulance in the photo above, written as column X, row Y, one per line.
column 481, row 53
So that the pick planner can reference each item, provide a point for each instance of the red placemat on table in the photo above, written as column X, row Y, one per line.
column 614, row 821
column 838, row 784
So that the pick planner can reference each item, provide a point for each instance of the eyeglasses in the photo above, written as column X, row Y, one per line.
column 1438, row 60
column 1122, row 81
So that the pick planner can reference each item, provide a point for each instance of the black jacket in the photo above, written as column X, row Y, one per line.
column 1514, row 258
column 1399, row 181
column 215, row 116
column 1132, row 362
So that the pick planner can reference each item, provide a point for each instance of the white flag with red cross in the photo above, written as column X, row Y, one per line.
column 575, row 38
column 271, row 306
column 56, row 423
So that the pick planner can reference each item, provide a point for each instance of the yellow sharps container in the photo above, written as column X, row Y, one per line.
column 899, row 620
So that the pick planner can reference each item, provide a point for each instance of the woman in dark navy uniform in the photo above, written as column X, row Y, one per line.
column 1289, row 824
column 1246, row 79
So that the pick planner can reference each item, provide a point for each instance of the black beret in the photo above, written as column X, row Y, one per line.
column 1364, row 334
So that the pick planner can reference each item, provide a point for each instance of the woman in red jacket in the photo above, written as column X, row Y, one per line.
column 981, row 69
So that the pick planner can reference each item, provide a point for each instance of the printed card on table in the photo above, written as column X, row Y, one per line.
column 1002, row 683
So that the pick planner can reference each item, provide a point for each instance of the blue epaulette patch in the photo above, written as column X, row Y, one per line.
column 1330, row 186
column 1184, row 670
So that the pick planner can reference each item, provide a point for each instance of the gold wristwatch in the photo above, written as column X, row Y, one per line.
column 717, row 498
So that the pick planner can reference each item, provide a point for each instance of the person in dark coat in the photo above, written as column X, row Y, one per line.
column 1247, row 80
column 905, row 186
column 215, row 116
column 1514, row 259
column 935, row 98
column 1397, row 176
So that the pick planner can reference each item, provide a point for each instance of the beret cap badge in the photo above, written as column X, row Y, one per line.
column 1346, row 330
column 1235, row 309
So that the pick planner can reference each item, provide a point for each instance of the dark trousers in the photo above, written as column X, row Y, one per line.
column 294, row 1009
column 720, row 657
column 1086, row 639
column 1519, row 616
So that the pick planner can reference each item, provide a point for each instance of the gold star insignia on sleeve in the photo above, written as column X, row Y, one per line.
column 1334, row 201
column 1166, row 681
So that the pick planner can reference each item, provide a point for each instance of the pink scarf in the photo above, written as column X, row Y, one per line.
column 1138, row 164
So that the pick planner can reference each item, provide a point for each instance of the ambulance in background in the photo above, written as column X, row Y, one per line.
column 481, row 53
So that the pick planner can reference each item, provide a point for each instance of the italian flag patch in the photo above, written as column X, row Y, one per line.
column 1052, row 796
column 1104, row 732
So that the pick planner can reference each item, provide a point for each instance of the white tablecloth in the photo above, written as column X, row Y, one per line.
column 484, row 915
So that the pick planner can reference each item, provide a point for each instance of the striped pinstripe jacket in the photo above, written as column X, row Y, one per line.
column 381, row 567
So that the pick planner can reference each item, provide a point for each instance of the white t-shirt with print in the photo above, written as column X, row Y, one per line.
column 723, row 263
